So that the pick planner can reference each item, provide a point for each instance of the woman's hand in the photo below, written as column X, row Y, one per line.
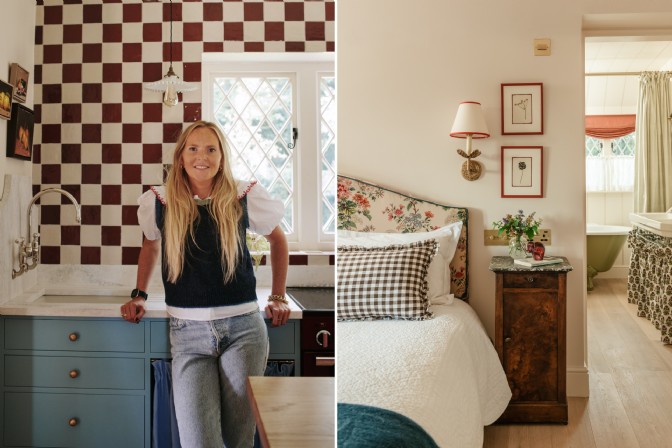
column 133, row 310
column 278, row 312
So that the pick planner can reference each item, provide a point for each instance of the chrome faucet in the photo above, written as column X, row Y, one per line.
column 29, row 253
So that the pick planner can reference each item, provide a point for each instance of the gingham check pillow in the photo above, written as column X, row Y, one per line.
column 384, row 282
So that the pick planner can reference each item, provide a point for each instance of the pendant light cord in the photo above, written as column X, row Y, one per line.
column 171, row 34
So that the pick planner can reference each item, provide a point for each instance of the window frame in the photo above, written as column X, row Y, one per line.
column 307, row 69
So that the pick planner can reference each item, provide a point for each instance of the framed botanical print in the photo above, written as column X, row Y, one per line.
column 522, row 109
column 20, row 132
column 522, row 171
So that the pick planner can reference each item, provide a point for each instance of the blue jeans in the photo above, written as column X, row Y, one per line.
column 211, row 363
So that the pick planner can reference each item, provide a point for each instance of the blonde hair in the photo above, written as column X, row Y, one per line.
column 181, row 210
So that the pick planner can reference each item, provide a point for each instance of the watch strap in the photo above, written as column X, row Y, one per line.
column 138, row 293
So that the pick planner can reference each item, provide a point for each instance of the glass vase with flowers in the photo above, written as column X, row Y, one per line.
column 518, row 229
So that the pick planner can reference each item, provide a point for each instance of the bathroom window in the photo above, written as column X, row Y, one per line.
column 610, row 164
column 278, row 114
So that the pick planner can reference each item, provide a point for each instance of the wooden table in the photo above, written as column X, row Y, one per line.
column 294, row 411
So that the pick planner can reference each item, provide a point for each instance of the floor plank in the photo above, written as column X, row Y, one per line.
column 630, row 384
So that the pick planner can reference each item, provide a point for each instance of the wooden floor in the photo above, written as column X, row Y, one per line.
column 630, row 402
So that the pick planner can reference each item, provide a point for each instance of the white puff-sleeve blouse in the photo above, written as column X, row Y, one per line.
column 264, row 212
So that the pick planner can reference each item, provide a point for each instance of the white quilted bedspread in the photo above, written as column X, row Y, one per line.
column 442, row 373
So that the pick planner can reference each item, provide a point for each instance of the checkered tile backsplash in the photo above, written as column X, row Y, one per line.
column 100, row 135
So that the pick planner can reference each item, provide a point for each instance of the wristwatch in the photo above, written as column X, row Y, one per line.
column 138, row 293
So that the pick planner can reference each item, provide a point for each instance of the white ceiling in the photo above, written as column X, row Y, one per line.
column 610, row 95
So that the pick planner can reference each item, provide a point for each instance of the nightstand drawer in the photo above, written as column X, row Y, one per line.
column 539, row 280
column 74, row 372
column 74, row 420
column 74, row 335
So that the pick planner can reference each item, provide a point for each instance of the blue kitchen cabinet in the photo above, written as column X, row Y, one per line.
column 83, row 382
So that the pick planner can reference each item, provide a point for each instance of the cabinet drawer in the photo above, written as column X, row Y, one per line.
column 74, row 420
column 76, row 372
column 282, row 339
column 74, row 335
column 531, row 280
column 159, row 336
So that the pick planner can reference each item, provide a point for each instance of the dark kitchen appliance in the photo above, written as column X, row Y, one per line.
column 317, row 330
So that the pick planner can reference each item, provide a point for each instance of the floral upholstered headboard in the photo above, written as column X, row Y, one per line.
column 365, row 207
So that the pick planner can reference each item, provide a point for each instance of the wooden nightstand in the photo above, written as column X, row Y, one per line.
column 530, row 338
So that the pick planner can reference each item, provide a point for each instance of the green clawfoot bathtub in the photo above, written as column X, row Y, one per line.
column 604, row 243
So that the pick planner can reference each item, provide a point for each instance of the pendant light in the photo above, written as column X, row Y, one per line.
column 171, row 84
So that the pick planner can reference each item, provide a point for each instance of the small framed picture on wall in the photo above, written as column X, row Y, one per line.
column 522, row 109
column 18, row 78
column 522, row 171
column 6, row 92
column 20, row 132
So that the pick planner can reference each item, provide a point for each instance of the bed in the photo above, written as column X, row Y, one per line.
column 424, row 375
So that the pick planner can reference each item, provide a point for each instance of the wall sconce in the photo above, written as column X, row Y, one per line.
column 470, row 123
column 171, row 84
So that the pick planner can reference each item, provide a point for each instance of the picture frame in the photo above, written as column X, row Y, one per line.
column 20, row 132
column 522, row 172
column 18, row 78
column 6, row 93
column 522, row 108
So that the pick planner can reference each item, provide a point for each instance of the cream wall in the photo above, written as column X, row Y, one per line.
column 403, row 69
column 17, row 47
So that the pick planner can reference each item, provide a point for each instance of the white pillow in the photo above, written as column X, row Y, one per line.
column 438, row 278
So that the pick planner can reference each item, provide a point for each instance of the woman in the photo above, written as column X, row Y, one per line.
column 218, row 337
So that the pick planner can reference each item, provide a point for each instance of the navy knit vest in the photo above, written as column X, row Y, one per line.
column 202, row 284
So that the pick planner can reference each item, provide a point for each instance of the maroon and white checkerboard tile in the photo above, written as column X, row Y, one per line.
column 103, row 137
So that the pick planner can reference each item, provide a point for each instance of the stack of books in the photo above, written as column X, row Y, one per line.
column 532, row 263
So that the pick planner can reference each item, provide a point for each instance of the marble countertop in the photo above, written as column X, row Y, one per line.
column 70, row 304
column 503, row 263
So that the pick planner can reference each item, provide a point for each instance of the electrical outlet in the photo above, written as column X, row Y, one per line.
column 544, row 236
column 490, row 238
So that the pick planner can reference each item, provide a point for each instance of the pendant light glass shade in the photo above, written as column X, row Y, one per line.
column 170, row 84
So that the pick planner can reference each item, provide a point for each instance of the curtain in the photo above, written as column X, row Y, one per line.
column 612, row 174
column 653, row 154
column 609, row 126
column 164, row 424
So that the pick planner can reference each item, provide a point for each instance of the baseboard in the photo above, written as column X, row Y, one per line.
column 615, row 272
column 577, row 382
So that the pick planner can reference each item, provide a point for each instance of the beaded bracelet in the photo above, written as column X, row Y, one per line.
column 278, row 298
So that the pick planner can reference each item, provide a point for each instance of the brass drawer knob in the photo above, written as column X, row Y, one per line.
column 530, row 279
column 507, row 340
column 74, row 373
column 73, row 422
column 73, row 337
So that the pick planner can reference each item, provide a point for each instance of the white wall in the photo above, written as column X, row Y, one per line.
column 20, row 25
column 402, row 70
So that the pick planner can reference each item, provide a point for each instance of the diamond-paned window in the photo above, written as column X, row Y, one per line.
column 624, row 146
column 256, row 116
column 610, row 164
column 593, row 147
column 328, row 152
column 278, row 114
